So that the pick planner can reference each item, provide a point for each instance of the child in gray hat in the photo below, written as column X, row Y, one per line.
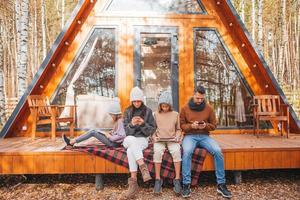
column 114, row 138
column 168, row 134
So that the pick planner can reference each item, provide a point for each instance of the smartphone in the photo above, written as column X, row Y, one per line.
column 201, row 122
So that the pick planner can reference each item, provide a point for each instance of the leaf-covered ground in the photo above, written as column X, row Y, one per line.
column 271, row 184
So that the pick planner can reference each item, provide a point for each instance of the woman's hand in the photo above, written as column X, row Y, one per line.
column 135, row 121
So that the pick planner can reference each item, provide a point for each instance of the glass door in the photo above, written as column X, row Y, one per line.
column 156, row 63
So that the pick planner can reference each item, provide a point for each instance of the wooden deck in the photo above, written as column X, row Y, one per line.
column 241, row 151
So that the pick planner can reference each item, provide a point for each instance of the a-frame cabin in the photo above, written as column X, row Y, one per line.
column 109, row 46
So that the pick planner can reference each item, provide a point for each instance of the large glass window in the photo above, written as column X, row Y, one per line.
column 155, row 66
column 226, row 91
column 93, row 70
column 160, row 6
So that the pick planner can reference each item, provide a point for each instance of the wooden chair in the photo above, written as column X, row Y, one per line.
column 268, row 108
column 44, row 113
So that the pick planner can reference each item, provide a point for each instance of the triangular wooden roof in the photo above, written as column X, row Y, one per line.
column 223, row 9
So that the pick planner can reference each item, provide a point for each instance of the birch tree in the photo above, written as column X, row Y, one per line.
column 243, row 10
column 22, row 20
column 253, row 19
column 62, row 13
column 260, row 25
column 2, row 92
column 44, row 46
column 35, row 38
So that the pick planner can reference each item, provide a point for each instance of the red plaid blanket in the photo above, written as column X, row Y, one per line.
column 119, row 157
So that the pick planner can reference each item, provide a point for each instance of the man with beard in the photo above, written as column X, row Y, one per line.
column 197, row 119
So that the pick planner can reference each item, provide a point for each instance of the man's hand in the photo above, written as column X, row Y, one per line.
column 195, row 125
column 201, row 125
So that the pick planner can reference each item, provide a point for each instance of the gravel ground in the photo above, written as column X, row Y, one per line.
column 267, row 184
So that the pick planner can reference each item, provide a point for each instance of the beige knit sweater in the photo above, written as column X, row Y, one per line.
column 168, row 125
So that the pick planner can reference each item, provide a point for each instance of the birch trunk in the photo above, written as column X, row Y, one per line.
column 2, row 91
column 243, row 10
column 260, row 25
column 22, row 21
column 44, row 46
column 35, row 39
column 253, row 16
column 62, row 13
column 281, row 70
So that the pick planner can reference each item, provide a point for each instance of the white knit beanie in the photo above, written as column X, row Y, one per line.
column 136, row 94
column 165, row 97
column 115, row 108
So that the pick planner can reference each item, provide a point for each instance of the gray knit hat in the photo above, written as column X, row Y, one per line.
column 165, row 97
column 115, row 108
column 136, row 94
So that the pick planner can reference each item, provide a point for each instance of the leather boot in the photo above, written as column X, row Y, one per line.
column 145, row 173
column 132, row 188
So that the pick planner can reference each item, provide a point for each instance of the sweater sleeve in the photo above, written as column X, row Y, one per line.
column 119, row 132
column 212, row 122
column 149, row 126
column 128, row 127
column 185, row 126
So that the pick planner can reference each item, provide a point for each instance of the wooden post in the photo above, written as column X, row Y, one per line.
column 99, row 182
column 237, row 177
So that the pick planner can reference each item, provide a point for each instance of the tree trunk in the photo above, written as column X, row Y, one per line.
column 35, row 39
column 253, row 20
column 281, row 70
column 62, row 13
column 260, row 25
column 22, row 20
column 2, row 91
column 243, row 10
column 44, row 46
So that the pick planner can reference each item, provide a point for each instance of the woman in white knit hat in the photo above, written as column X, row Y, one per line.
column 139, row 125
column 168, row 134
column 113, row 138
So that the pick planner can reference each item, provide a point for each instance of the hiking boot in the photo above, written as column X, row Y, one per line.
column 145, row 173
column 132, row 188
column 66, row 140
column 222, row 189
column 177, row 186
column 186, row 191
column 157, row 186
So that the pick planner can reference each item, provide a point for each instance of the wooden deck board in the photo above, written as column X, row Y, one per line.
column 23, row 155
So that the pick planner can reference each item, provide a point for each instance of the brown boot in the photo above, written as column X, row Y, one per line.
column 132, row 188
column 145, row 173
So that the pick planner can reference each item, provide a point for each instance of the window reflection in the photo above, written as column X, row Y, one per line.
column 155, row 61
column 177, row 6
column 93, row 71
column 225, row 91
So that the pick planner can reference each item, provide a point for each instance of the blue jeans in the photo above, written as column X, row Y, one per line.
column 189, row 143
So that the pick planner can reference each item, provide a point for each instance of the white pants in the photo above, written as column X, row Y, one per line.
column 135, row 147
